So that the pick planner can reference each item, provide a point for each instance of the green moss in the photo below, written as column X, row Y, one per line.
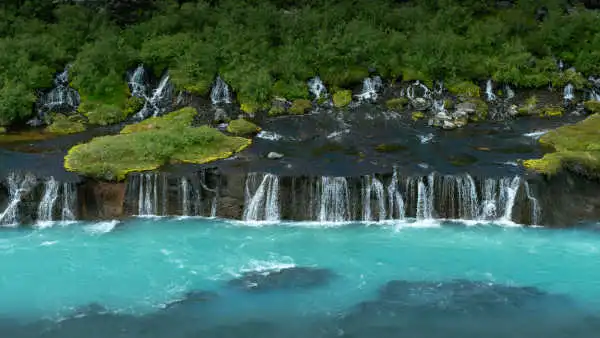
column 133, row 105
column 464, row 88
column 592, row 106
column 481, row 110
column 113, row 157
column 102, row 114
column 300, row 106
column 65, row 125
column 342, row 98
column 551, row 111
column 389, row 148
column 241, row 127
column 413, row 75
column 293, row 89
column 250, row 107
column 448, row 104
column 417, row 115
column 578, row 143
column 2, row 130
column 396, row 103
column 531, row 101
column 177, row 119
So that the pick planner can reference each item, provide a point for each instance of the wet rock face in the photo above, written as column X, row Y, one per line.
column 288, row 278
column 102, row 200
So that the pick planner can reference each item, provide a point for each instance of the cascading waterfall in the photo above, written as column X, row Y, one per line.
column 370, row 89
column 263, row 203
column 219, row 93
column 395, row 201
column 317, row 88
column 46, row 207
column 508, row 193
column 69, row 202
column 489, row 207
column 424, row 203
column 568, row 94
column 334, row 199
column 185, row 196
column 467, row 197
column 595, row 90
column 61, row 99
column 438, row 101
column 148, row 195
column 535, row 208
column 509, row 92
column 159, row 102
column 137, row 82
column 489, row 91
column 18, row 185
column 373, row 189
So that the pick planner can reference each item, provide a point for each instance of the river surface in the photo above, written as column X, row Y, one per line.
column 196, row 277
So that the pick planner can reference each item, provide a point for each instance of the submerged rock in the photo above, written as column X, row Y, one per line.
column 193, row 297
column 288, row 278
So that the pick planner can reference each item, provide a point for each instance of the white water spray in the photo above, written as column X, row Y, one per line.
column 263, row 203
column 219, row 93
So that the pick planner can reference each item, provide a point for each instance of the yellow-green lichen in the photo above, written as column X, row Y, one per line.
column 576, row 144
column 242, row 127
column 342, row 98
column 551, row 111
column 276, row 110
column 300, row 106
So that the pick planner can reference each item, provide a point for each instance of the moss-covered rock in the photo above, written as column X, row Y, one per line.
column 481, row 110
column 62, row 124
column 576, row 145
column 241, row 127
column 530, row 106
column 300, row 106
column 2, row 130
column 396, row 103
column 464, row 88
column 342, row 98
column 389, row 148
column 250, row 107
column 417, row 115
column 177, row 119
column 592, row 106
column 113, row 157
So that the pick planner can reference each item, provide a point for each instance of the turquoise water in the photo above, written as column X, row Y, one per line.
column 450, row 273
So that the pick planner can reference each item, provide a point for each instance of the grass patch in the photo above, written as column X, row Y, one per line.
column 573, row 145
column 396, row 103
column 592, row 106
column 300, row 106
column 62, row 124
column 167, row 139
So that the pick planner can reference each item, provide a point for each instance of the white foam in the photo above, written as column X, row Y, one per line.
column 536, row 134
column 269, row 135
column 48, row 243
column 338, row 134
column 426, row 138
column 102, row 227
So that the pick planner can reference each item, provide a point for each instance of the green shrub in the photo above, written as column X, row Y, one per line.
column 342, row 98
column 464, row 88
column 62, row 124
column 592, row 106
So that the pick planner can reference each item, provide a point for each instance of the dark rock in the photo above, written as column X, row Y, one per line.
column 288, row 278
column 193, row 297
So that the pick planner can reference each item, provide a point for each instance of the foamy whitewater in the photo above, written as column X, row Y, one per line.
column 196, row 277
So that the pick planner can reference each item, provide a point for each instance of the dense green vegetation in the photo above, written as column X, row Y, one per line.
column 269, row 48
column 167, row 139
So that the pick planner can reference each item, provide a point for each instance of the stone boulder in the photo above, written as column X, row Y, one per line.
column 288, row 278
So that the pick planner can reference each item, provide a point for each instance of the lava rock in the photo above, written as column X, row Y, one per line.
column 274, row 155
column 288, row 278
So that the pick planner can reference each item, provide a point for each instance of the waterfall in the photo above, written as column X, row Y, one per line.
column 489, row 207
column 508, row 193
column 535, row 207
column 263, row 203
column 568, row 94
column 219, row 93
column 137, row 82
column 317, row 88
column 373, row 188
column 61, row 98
column 69, row 202
column 184, row 186
column 395, row 201
column 148, row 195
column 489, row 91
column 509, row 92
column 595, row 90
column 467, row 197
column 18, row 186
column 159, row 102
column 423, row 202
column 46, row 207
column 334, row 199
column 561, row 65
column 370, row 89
